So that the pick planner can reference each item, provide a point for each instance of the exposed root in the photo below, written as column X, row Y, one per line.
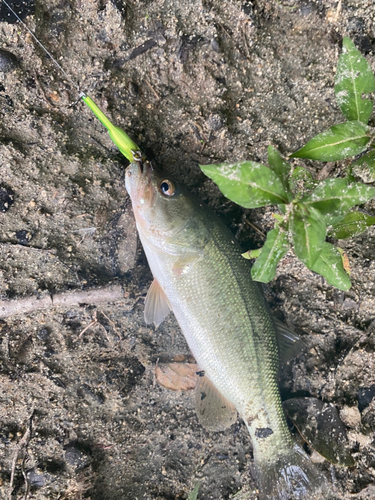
column 93, row 323
column 66, row 299
column 23, row 444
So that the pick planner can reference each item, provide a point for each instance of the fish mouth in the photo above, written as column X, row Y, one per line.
column 144, row 165
column 139, row 181
column 146, row 168
column 140, row 167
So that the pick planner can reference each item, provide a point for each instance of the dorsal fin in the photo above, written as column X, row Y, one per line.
column 215, row 412
column 157, row 305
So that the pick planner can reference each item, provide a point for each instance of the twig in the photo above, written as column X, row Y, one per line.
column 105, row 447
column 106, row 333
column 27, row 483
column 154, row 373
column 200, row 130
column 51, row 251
column 254, row 227
column 65, row 299
column 23, row 443
column 95, row 322
column 337, row 14
column 85, row 232
column 87, row 327
column 153, row 90
column 111, row 323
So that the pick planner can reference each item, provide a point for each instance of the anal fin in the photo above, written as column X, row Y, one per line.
column 157, row 305
column 214, row 412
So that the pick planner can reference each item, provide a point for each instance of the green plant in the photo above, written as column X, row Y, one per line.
column 193, row 495
column 309, row 210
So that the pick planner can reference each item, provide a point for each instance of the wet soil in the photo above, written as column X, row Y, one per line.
column 193, row 82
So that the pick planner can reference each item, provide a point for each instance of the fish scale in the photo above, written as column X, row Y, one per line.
column 226, row 296
column 226, row 322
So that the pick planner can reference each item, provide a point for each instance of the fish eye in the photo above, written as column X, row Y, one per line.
column 167, row 187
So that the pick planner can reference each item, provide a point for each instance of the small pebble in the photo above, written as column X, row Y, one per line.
column 351, row 416
column 214, row 45
column 6, row 200
column 35, row 480
column 356, row 24
column 43, row 334
column 247, row 8
column 8, row 61
column 75, row 456
column 349, row 304
column 307, row 8
column 24, row 237
column 368, row 418
column 364, row 44
column 215, row 122
column 365, row 396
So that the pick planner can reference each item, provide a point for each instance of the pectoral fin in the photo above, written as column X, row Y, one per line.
column 184, row 263
column 215, row 412
column 157, row 305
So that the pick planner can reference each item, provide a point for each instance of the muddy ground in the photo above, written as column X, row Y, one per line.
column 192, row 82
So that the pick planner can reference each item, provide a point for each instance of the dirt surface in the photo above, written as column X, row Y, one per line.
column 192, row 82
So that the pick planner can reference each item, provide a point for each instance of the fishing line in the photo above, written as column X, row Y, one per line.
column 81, row 94
column 124, row 143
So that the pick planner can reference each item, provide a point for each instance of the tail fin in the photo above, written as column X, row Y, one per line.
column 292, row 477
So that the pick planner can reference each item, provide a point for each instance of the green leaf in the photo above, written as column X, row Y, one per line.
column 337, row 196
column 364, row 168
column 354, row 78
column 329, row 264
column 338, row 142
column 247, row 183
column 326, row 197
column 308, row 231
column 301, row 180
column 280, row 166
column 275, row 247
column 351, row 225
column 252, row 254
column 278, row 218
column 193, row 495
column 332, row 220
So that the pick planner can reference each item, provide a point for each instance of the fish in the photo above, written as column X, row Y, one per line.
column 200, row 275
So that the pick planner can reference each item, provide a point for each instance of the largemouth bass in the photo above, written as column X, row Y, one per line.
column 201, row 276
